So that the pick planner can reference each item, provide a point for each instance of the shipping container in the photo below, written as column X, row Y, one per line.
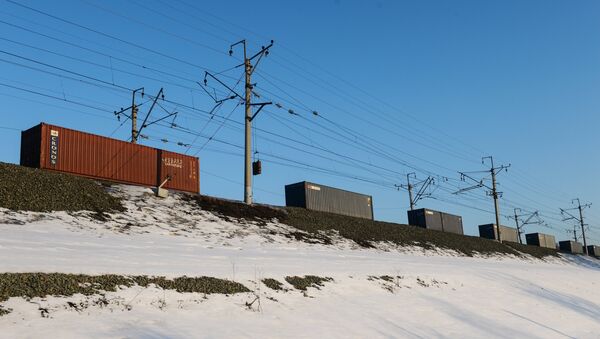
column 594, row 250
column 435, row 220
column 490, row 231
column 328, row 199
column 571, row 246
column 61, row 149
column 541, row 240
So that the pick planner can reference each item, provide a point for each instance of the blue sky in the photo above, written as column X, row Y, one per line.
column 421, row 86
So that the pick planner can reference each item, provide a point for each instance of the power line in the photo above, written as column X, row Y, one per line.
column 223, row 120
column 336, row 173
column 87, row 28
column 153, row 51
column 10, row 128
column 64, row 70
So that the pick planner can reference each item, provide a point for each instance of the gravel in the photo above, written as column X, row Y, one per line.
column 30, row 189
column 303, row 283
column 31, row 285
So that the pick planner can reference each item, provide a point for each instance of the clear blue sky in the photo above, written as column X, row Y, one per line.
column 425, row 86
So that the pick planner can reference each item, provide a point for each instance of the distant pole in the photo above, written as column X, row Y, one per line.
column 410, row 195
column 493, row 191
column 518, row 227
column 585, row 249
column 495, row 195
column 569, row 216
column 422, row 185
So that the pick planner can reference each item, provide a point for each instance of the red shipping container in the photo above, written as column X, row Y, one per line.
column 65, row 150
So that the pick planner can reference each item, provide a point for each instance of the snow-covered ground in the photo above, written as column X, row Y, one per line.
column 432, row 294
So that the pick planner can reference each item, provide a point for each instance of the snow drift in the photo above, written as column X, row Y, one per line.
column 386, row 291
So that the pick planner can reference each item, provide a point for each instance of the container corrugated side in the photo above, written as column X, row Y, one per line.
column 594, row 250
column 435, row 220
column 571, row 246
column 550, row 241
column 334, row 200
column 70, row 151
column 76, row 152
column 490, row 231
column 425, row 218
column 328, row 199
column 541, row 240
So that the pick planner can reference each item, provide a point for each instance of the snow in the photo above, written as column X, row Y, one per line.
column 439, row 294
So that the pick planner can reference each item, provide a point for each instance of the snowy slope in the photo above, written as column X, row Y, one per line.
column 432, row 294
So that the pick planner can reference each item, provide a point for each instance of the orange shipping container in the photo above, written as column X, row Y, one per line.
column 65, row 150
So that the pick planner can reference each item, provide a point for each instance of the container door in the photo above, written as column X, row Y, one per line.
column 452, row 223
column 182, row 171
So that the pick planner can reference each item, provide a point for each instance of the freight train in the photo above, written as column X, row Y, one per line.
column 61, row 149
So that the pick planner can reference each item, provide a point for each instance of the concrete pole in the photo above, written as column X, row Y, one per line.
column 518, row 227
column 495, row 195
column 410, row 196
column 133, row 119
column 585, row 249
column 248, row 139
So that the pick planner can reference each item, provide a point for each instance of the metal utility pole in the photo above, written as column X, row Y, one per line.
column 582, row 226
column 247, row 99
column 518, row 227
column 135, row 131
column 527, row 221
column 495, row 195
column 410, row 197
column 145, row 122
column 493, row 191
column 424, row 184
column 249, row 116
column 579, row 207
